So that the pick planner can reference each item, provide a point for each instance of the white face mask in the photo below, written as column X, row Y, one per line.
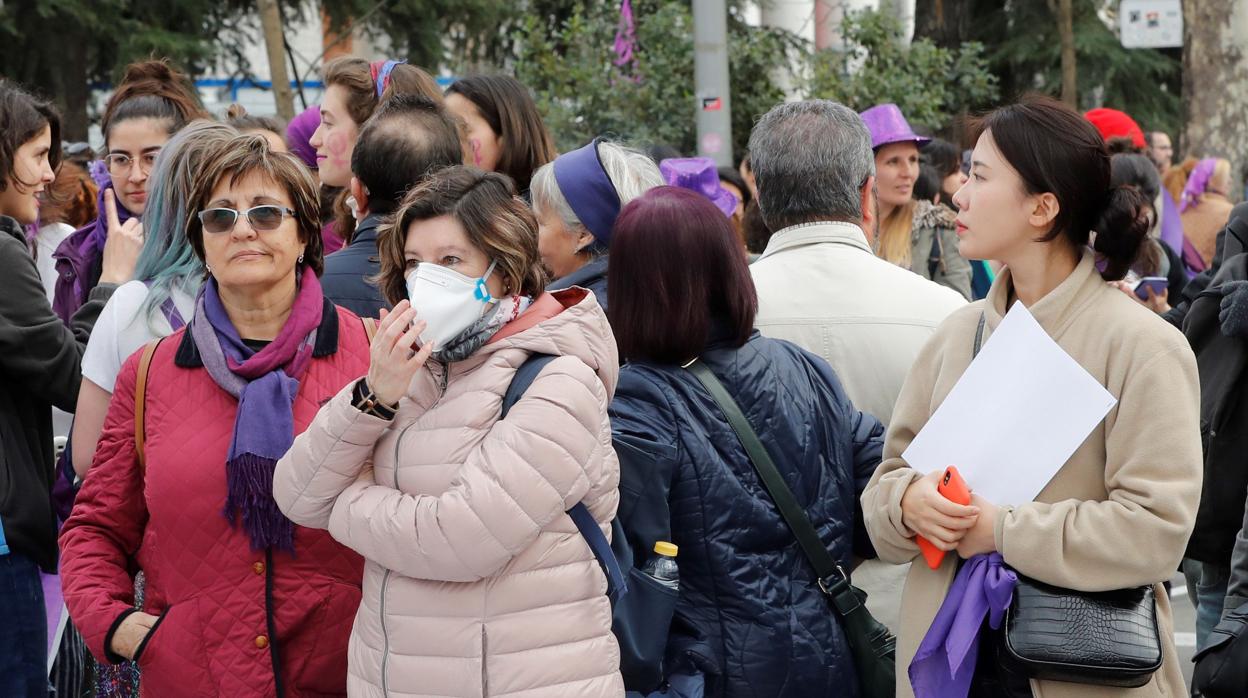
column 447, row 300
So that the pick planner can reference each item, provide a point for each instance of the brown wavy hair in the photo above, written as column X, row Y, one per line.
column 497, row 222
column 355, row 76
column 247, row 154
column 153, row 90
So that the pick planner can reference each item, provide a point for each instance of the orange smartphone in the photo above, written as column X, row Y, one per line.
column 954, row 488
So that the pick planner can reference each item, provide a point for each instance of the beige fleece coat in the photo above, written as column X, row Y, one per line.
column 1116, row 515
column 476, row 583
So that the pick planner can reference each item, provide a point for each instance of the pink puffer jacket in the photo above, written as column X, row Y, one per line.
column 476, row 583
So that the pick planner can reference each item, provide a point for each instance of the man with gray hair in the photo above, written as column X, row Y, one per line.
column 821, row 286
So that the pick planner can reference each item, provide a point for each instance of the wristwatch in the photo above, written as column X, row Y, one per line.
column 364, row 400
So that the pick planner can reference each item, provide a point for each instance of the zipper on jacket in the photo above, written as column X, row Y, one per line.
column 385, row 578
column 485, row 652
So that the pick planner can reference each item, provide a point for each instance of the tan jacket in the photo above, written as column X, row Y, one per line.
column 821, row 287
column 1117, row 514
column 476, row 583
column 1202, row 222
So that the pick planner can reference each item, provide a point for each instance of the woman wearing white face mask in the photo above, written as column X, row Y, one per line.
column 476, row 580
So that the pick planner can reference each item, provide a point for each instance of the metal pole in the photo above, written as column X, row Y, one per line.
column 710, row 80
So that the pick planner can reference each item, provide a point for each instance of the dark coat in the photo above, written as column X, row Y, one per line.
column 347, row 272
column 1223, row 419
column 592, row 276
column 40, row 367
column 750, row 615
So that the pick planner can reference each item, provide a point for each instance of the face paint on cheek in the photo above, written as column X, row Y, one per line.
column 337, row 145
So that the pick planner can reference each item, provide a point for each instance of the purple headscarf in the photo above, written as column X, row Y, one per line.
column 299, row 131
column 1197, row 183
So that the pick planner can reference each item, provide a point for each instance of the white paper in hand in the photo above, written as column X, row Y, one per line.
column 1015, row 416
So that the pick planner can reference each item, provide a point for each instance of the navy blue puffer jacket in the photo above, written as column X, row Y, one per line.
column 750, row 616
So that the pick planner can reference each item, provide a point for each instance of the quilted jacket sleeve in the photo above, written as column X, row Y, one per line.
column 106, row 527
column 529, row 469
column 325, row 459
column 865, row 435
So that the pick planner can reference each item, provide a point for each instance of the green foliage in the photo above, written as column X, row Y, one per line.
column 1027, row 55
column 930, row 84
column 581, row 92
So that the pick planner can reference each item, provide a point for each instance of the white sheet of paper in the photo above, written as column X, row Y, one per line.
column 1015, row 416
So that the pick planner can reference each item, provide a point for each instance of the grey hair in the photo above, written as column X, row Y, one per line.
column 632, row 172
column 810, row 160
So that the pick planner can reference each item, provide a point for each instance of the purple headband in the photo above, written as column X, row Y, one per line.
column 588, row 190
column 1197, row 183
column 383, row 75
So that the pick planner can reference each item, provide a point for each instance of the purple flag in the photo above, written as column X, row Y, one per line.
column 625, row 37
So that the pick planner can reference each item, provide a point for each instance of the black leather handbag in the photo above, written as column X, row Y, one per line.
column 1105, row 638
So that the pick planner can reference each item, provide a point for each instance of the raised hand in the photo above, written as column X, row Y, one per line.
column 393, row 357
column 122, row 248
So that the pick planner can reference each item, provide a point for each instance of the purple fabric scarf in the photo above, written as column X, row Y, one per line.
column 78, row 255
column 945, row 662
column 265, row 383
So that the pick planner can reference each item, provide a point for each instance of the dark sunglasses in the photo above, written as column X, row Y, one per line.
column 260, row 218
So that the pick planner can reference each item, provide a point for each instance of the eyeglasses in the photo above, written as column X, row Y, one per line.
column 260, row 218
column 119, row 164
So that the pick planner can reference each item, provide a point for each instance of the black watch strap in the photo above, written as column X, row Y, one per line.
column 365, row 401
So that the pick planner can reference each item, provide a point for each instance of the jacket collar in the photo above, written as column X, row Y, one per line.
column 326, row 340
column 592, row 271
column 12, row 227
column 835, row 232
column 366, row 231
column 1060, row 307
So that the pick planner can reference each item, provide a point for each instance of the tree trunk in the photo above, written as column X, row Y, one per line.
column 1215, row 82
column 75, row 90
column 271, row 21
column 1066, row 30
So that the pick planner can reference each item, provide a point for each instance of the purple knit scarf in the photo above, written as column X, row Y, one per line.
column 265, row 383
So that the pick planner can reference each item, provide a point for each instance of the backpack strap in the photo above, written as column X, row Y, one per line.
column 617, row 583
column 140, row 401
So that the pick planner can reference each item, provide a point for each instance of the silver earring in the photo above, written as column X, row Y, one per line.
column 300, row 260
column 207, row 268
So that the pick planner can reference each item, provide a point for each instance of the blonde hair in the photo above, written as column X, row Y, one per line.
column 893, row 244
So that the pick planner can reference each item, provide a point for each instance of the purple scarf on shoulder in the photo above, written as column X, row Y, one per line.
column 265, row 383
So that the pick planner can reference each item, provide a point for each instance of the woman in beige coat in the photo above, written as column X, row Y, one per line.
column 476, row 582
column 1119, row 512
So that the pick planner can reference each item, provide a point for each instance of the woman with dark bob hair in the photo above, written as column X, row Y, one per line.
column 1118, row 513
column 240, row 601
column 750, row 620
column 478, row 582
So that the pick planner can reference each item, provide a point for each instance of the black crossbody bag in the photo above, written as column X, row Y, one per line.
column 873, row 647
column 1107, row 638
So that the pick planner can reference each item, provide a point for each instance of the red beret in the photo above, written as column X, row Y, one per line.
column 1116, row 124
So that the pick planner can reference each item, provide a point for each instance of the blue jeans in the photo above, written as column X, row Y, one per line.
column 24, row 631
column 1206, row 587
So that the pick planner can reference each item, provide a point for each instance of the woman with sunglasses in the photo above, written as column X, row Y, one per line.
column 151, row 104
column 239, row 601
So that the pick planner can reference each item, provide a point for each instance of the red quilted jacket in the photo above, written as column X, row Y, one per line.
column 233, row 622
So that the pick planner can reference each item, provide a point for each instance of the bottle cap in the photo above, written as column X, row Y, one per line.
column 665, row 548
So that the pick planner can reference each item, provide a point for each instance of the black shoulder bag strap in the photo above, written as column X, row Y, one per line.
column 872, row 645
